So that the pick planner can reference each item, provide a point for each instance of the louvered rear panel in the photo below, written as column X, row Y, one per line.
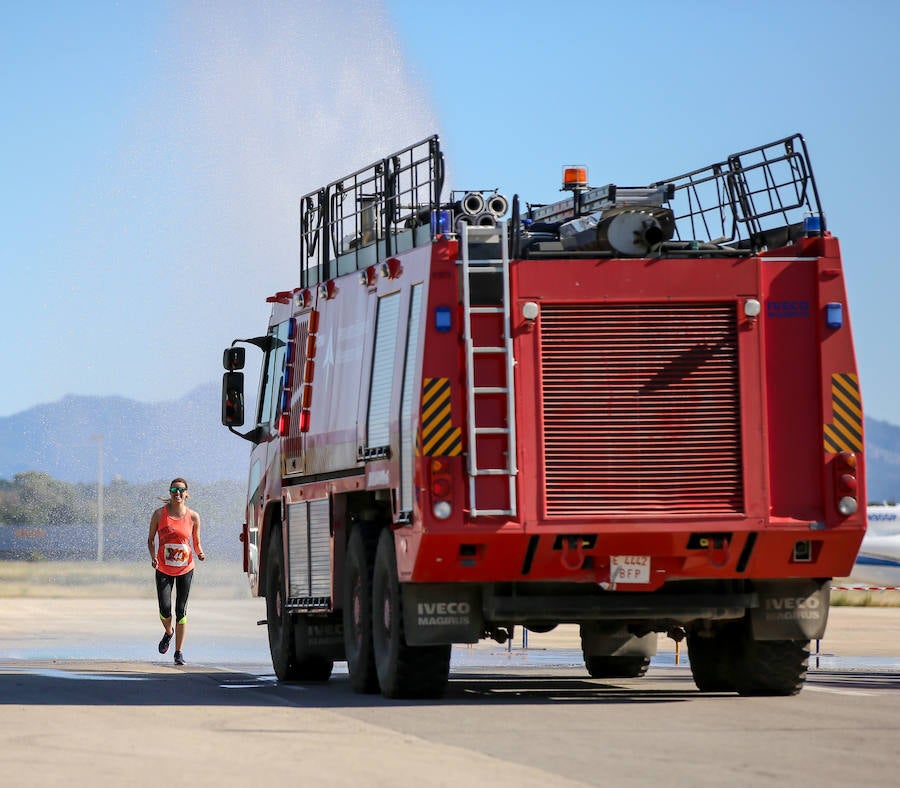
column 641, row 408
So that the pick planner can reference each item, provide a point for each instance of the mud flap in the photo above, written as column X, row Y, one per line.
column 440, row 613
column 319, row 636
column 791, row 609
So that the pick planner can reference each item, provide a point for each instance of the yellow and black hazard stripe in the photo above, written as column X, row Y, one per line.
column 437, row 435
column 844, row 433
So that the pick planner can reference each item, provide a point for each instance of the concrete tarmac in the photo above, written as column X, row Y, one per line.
column 227, row 631
column 86, row 699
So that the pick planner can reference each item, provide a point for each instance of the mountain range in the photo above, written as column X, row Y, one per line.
column 141, row 442
column 145, row 442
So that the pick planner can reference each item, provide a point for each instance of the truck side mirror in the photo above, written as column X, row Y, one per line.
column 233, row 396
column 233, row 358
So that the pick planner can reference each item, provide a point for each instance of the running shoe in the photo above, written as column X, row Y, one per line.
column 164, row 643
column 179, row 658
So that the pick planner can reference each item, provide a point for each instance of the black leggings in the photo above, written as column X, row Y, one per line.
column 182, row 585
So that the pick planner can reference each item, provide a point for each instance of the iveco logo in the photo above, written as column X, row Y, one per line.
column 435, row 614
column 444, row 608
column 793, row 609
column 793, row 603
column 787, row 308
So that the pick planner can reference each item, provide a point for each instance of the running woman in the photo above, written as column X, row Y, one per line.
column 174, row 526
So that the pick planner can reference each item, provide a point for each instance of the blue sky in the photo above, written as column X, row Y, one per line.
column 153, row 153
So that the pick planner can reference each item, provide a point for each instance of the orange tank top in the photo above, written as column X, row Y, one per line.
column 174, row 555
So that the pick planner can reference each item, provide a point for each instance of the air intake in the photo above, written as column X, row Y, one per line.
column 641, row 409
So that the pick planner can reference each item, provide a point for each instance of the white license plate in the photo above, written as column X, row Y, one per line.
column 629, row 569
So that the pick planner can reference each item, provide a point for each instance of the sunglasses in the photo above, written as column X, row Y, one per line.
column 178, row 489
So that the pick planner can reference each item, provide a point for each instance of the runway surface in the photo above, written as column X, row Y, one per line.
column 226, row 632
column 85, row 699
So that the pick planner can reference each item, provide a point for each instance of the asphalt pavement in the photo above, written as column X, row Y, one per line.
column 86, row 699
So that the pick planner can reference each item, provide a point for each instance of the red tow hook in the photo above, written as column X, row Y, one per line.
column 572, row 545
column 718, row 549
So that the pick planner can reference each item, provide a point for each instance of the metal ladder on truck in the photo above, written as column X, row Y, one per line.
column 477, row 394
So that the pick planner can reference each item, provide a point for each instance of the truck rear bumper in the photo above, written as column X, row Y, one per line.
column 463, row 613
column 675, row 608
column 721, row 553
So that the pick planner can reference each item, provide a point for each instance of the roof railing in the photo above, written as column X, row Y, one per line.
column 754, row 199
column 380, row 210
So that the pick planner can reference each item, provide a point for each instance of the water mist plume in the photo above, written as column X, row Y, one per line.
column 195, row 221
column 254, row 104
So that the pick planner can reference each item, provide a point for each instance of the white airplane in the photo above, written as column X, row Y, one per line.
column 878, row 562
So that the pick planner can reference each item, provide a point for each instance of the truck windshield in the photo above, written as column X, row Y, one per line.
column 271, row 382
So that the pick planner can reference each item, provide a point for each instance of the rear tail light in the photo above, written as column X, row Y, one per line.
column 440, row 485
column 845, row 483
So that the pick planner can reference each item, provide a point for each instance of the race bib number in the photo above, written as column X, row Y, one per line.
column 176, row 554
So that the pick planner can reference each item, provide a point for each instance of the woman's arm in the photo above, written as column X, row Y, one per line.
column 198, row 549
column 151, row 537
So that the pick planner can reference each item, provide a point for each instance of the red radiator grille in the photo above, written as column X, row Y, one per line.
column 641, row 408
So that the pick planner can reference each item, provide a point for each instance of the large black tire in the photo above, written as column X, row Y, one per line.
column 599, row 645
column 404, row 671
column 309, row 664
column 278, row 621
column 358, row 612
column 771, row 667
column 712, row 658
column 616, row 667
column 289, row 662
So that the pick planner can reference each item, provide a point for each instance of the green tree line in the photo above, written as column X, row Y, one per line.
column 34, row 498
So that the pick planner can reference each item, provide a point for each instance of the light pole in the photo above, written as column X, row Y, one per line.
column 99, row 439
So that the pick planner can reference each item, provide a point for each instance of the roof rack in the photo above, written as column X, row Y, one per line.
column 754, row 199
column 370, row 214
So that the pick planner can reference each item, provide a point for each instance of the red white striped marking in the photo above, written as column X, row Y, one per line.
column 865, row 588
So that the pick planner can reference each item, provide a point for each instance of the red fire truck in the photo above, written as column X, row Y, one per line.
column 634, row 409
